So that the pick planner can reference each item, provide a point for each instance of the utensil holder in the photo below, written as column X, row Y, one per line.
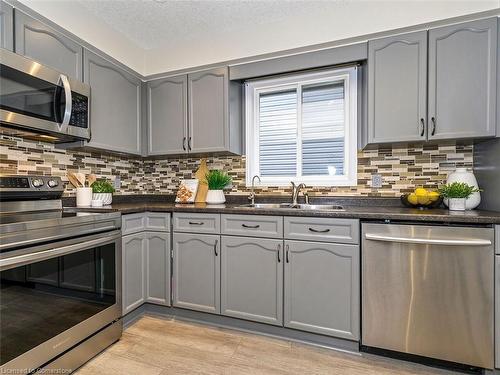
column 83, row 196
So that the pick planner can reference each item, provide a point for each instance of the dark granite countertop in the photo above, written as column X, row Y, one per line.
column 369, row 212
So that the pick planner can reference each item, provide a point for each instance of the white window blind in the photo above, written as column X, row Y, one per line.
column 302, row 128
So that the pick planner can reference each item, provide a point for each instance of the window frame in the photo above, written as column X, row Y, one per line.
column 253, row 89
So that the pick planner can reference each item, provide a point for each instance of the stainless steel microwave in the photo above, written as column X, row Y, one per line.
column 39, row 102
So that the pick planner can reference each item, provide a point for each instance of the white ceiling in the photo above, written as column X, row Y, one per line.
column 153, row 36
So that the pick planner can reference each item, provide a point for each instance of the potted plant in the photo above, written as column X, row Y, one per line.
column 457, row 193
column 216, row 181
column 103, row 190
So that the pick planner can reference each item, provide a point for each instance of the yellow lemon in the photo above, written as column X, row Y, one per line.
column 420, row 191
column 423, row 198
column 433, row 196
column 412, row 198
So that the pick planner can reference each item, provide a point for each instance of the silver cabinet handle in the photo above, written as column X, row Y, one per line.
column 279, row 250
column 184, row 143
column 69, row 102
column 319, row 231
column 196, row 223
column 427, row 241
column 433, row 120
column 422, row 125
column 215, row 247
column 287, row 250
column 250, row 226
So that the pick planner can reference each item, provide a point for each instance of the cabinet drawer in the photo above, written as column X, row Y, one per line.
column 253, row 225
column 157, row 221
column 322, row 229
column 195, row 222
column 133, row 223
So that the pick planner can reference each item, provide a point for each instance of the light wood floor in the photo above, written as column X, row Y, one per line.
column 156, row 346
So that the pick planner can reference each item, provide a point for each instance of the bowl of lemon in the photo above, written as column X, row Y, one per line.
column 422, row 198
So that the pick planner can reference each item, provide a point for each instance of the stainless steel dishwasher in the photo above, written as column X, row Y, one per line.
column 428, row 291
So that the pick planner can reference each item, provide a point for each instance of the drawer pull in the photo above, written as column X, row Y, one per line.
column 250, row 226
column 319, row 231
column 196, row 223
column 215, row 247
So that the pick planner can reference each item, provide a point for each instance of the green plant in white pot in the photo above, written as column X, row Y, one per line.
column 103, row 190
column 217, row 180
column 457, row 194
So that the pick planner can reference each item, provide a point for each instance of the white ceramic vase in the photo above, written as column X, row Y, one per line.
column 83, row 196
column 106, row 198
column 215, row 197
column 457, row 204
column 463, row 175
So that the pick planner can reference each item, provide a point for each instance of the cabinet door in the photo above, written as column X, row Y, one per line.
column 167, row 116
column 6, row 26
column 252, row 279
column 462, row 76
column 208, row 110
column 158, row 268
column 196, row 272
column 397, row 83
column 134, row 270
column 115, row 115
column 39, row 42
column 322, row 288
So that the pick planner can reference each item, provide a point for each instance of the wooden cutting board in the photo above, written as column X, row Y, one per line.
column 200, row 174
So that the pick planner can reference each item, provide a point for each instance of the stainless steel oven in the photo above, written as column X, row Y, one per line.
column 39, row 102
column 57, row 294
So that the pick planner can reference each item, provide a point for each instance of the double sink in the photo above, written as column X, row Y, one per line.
column 272, row 206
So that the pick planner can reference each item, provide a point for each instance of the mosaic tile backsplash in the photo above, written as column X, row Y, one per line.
column 403, row 167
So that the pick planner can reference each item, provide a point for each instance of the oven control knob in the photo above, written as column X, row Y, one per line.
column 52, row 183
column 37, row 182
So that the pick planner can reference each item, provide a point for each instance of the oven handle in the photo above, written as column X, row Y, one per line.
column 428, row 241
column 52, row 253
column 69, row 103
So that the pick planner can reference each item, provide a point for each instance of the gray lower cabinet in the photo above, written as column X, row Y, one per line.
column 40, row 42
column 322, row 288
column 196, row 272
column 252, row 279
column 115, row 115
column 6, row 26
column 133, row 271
column 397, row 84
column 157, row 268
column 167, row 116
column 462, row 80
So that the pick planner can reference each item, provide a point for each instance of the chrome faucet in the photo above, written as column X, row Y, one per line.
column 251, row 197
column 296, row 191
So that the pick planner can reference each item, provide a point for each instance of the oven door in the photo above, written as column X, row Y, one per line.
column 54, row 296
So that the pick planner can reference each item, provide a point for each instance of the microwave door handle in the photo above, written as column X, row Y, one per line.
column 68, row 103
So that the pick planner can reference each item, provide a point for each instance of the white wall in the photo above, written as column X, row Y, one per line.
column 346, row 19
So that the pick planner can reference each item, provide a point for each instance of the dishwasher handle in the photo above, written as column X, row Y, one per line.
column 427, row 241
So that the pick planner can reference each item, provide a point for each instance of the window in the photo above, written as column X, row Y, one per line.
column 302, row 128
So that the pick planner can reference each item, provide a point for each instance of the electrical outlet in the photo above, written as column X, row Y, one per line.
column 117, row 182
column 376, row 181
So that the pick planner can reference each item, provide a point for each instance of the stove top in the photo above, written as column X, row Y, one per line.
column 25, row 217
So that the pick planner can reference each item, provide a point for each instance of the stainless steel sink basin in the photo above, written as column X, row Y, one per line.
column 324, row 207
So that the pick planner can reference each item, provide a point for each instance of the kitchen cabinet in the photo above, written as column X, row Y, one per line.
column 115, row 115
column 157, row 259
column 167, row 126
column 321, row 289
column 196, row 272
column 252, row 279
column 39, row 42
column 462, row 80
column 6, row 26
column 133, row 271
column 397, row 80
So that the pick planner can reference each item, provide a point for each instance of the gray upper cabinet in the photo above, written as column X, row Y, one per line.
column 133, row 271
column 6, row 26
column 115, row 106
column 167, row 116
column 252, row 279
column 196, row 272
column 322, row 288
column 214, row 112
column 158, row 268
column 397, row 80
column 462, row 80
column 39, row 42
